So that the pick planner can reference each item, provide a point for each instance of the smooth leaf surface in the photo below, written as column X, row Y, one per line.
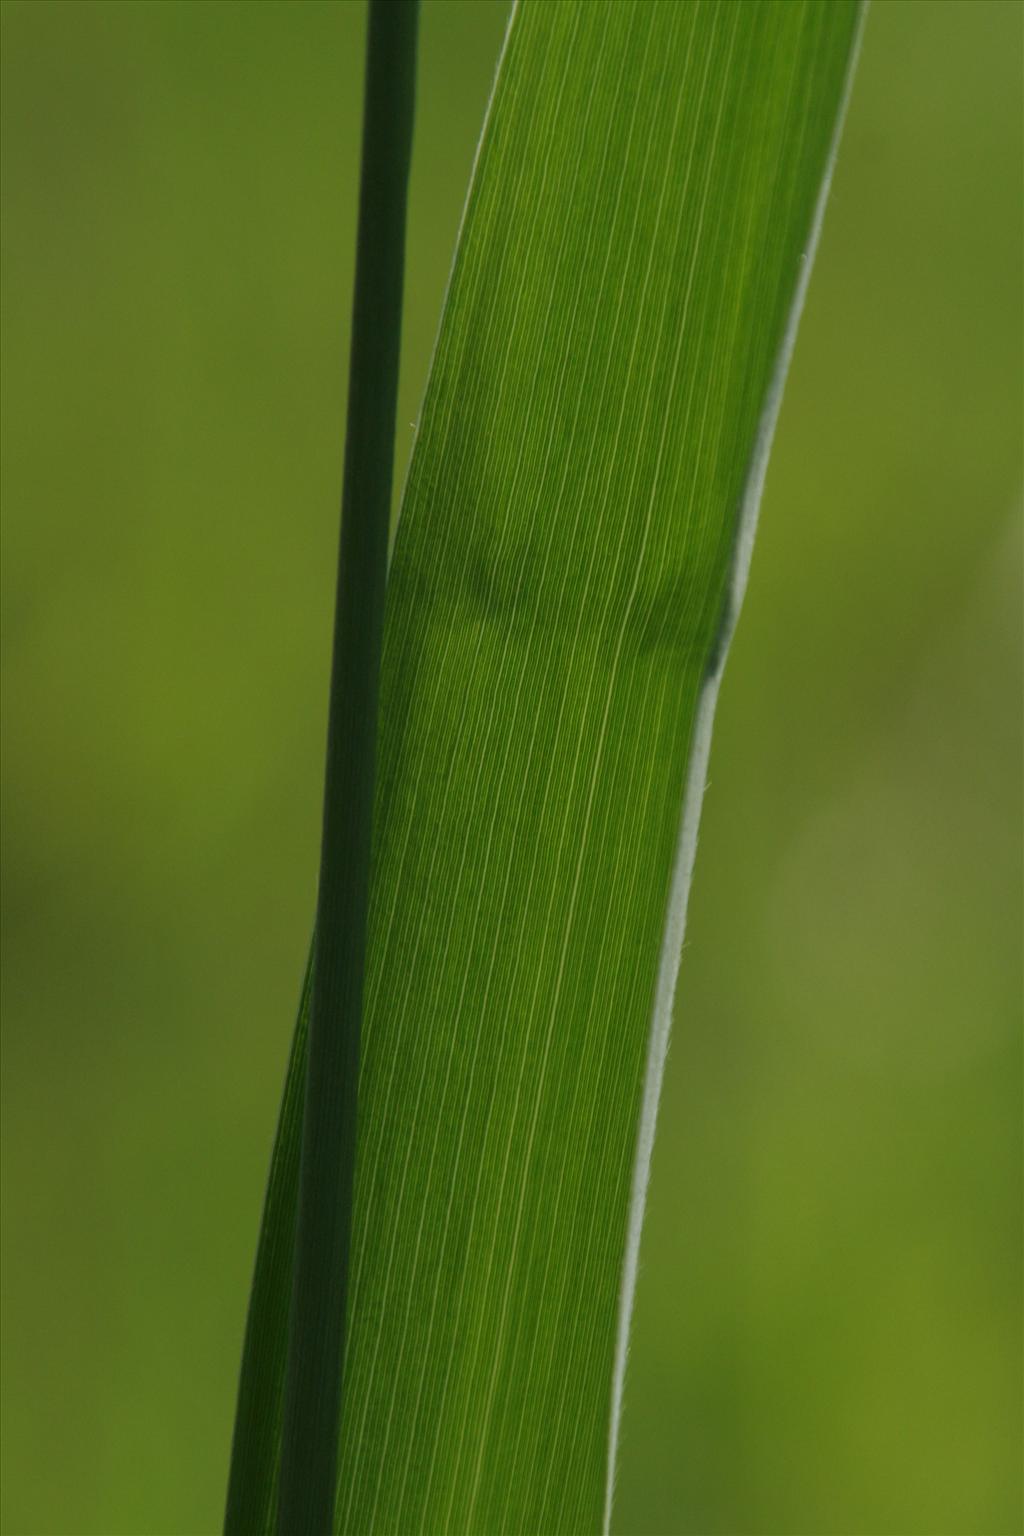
column 569, row 560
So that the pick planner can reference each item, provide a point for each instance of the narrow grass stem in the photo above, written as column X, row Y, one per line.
column 313, row 1387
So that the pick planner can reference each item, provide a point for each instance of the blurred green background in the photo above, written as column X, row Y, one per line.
column 828, row 1329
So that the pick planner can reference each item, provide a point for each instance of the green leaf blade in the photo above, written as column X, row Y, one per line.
column 564, row 579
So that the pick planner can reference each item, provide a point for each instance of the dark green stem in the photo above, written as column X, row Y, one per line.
column 313, row 1386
